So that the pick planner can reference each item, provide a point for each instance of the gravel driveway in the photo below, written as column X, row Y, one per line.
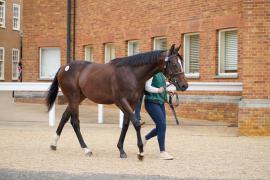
column 201, row 150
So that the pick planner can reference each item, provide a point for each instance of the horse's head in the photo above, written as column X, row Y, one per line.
column 174, row 69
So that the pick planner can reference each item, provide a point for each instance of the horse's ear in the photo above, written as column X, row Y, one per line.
column 172, row 49
column 177, row 49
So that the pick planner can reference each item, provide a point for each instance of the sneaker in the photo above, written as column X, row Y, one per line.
column 144, row 141
column 165, row 156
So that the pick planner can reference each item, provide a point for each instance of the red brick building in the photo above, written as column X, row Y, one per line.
column 10, row 38
column 223, row 41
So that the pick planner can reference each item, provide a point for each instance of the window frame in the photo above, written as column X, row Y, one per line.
column 128, row 44
column 19, row 18
column 4, row 14
column 89, row 46
column 105, row 51
column 158, row 38
column 12, row 60
column 221, row 53
column 3, row 60
column 40, row 57
column 186, row 58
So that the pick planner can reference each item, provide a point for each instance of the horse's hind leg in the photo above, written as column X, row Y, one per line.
column 65, row 117
column 120, row 144
column 76, row 126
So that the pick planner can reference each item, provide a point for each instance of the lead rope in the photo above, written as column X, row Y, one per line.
column 171, row 104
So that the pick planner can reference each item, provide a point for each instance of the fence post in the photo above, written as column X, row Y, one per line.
column 121, row 118
column 52, row 116
column 100, row 113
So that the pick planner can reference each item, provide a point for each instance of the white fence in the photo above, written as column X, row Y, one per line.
column 38, row 86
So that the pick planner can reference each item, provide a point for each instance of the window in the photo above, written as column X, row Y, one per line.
column 109, row 52
column 16, row 17
column 2, row 58
column 160, row 43
column 228, row 52
column 15, row 62
column 2, row 13
column 49, row 62
column 133, row 48
column 88, row 53
column 192, row 55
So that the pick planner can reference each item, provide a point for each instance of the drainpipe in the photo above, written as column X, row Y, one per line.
column 68, row 30
column 73, row 30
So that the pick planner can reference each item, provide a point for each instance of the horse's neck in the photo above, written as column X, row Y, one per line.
column 147, row 71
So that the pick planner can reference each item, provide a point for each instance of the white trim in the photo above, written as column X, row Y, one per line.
column 4, row 15
column 158, row 38
column 192, row 75
column 19, row 17
column 24, row 86
column 215, row 86
column 193, row 86
column 128, row 44
column 12, row 61
column 220, row 41
column 226, row 75
column 3, row 70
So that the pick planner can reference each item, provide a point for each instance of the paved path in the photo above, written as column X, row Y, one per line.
column 211, row 151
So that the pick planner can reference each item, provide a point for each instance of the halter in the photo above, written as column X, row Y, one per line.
column 171, row 77
column 179, row 61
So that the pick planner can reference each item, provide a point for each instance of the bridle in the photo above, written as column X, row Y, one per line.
column 171, row 75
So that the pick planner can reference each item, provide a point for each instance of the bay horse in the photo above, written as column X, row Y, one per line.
column 120, row 82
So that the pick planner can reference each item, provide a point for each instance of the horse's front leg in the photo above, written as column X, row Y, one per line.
column 120, row 144
column 126, row 108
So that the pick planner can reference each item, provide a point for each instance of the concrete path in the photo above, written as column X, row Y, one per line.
column 202, row 150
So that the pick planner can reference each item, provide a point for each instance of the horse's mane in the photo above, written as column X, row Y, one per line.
column 138, row 59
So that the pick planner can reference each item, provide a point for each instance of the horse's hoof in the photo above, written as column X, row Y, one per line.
column 53, row 147
column 140, row 156
column 123, row 156
column 89, row 153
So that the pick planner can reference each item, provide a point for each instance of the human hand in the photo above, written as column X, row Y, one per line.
column 160, row 90
column 171, row 93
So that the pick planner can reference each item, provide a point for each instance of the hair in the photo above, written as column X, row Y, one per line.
column 138, row 59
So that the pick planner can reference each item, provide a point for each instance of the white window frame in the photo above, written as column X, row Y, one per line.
column 40, row 63
column 129, row 46
column 18, row 18
column 2, row 76
column 106, row 46
column 221, row 52
column 186, row 56
column 88, row 48
column 158, row 38
column 4, row 14
column 13, row 61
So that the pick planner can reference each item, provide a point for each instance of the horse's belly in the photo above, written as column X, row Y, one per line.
column 99, row 96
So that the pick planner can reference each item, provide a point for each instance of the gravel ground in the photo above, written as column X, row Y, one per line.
column 201, row 150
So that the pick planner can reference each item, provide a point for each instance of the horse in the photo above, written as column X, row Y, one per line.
column 120, row 82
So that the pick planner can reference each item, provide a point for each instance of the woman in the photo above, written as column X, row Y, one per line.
column 155, row 97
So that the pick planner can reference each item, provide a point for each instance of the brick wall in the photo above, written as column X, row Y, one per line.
column 44, row 26
column 254, row 117
column 10, row 38
column 117, row 21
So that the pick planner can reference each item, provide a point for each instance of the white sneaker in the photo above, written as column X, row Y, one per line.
column 165, row 156
column 144, row 141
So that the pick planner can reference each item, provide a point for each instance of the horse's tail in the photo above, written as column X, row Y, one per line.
column 52, row 93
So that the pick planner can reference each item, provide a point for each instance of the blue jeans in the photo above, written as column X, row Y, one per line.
column 158, row 115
